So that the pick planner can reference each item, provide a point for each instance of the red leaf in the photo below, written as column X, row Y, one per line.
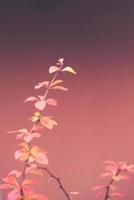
column 11, row 180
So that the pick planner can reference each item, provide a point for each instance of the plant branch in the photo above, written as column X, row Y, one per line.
column 58, row 181
column 52, row 80
column 45, row 168
column 24, row 174
column 27, row 161
column 107, row 195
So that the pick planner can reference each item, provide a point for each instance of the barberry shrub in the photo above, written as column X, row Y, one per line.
column 116, row 172
column 33, row 158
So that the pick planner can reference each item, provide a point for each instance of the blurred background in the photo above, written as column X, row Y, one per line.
column 95, row 117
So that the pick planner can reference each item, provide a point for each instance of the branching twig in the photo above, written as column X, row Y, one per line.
column 27, row 161
column 107, row 195
column 33, row 155
column 58, row 181
column 24, row 174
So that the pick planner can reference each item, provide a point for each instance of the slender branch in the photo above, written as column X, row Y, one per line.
column 49, row 85
column 24, row 173
column 107, row 195
column 52, row 80
column 27, row 161
column 58, row 181
column 108, row 190
column 23, row 178
column 45, row 168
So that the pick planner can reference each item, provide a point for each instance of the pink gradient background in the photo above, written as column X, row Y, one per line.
column 95, row 117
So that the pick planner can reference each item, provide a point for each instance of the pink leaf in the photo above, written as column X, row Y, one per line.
column 31, row 136
column 37, row 135
column 124, row 177
column 99, row 194
column 105, row 174
column 24, row 130
column 18, row 154
column 58, row 87
column 6, row 186
column 14, row 194
column 48, row 122
column 42, row 84
column 42, row 159
column 98, row 187
column 39, row 197
column 31, row 99
column 22, row 153
column 51, row 102
column 117, row 194
column 15, row 172
column 110, row 162
column 131, row 168
column 10, row 180
column 28, row 138
column 19, row 136
column 24, row 145
column 40, row 105
column 29, row 182
column 74, row 193
column 38, row 155
column 53, row 69
column 111, row 168
column 32, row 169
column 27, row 190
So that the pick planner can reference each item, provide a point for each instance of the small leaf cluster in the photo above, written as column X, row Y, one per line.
column 116, row 173
column 33, row 157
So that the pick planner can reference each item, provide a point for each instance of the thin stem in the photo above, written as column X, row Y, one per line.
column 58, row 181
column 49, row 85
column 107, row 195
column 24, row 174
column 46, row 169
column 52, row 80
column 27, row 161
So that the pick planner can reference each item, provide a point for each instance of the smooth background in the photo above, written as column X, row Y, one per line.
column 95, row 117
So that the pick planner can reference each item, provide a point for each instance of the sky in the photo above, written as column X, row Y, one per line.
column 95, row 117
